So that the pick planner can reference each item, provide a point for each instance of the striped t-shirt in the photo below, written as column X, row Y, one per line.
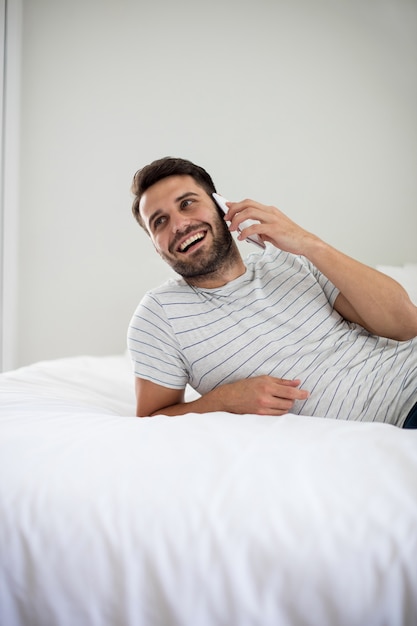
column 276, row 319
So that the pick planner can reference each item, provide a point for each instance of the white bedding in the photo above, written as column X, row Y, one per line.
column 197, row 520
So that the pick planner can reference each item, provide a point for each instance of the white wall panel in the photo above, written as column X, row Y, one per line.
column 10, row 53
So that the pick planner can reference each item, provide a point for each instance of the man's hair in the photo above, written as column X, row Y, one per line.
column 162, row 168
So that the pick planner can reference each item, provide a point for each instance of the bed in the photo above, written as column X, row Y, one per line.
column 197, row 520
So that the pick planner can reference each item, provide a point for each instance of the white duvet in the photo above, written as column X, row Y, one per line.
column 199, row 520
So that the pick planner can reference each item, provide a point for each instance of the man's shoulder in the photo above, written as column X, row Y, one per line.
column 272, row 256
column 171, row 284
column 170, row 289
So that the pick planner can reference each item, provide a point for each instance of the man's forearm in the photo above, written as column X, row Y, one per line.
column 204, row 404
column 381, row 305
column 368, row 297
column 263, row 395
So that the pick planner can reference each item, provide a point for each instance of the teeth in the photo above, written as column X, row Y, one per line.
column 191, row 240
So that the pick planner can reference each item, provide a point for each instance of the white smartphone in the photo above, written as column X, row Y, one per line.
column 221, row 203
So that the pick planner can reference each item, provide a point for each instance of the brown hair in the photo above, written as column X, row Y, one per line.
column 162, row 168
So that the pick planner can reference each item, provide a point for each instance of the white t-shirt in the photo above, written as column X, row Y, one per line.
column 276, row 319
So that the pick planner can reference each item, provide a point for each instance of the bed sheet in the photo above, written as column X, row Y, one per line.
column 103, row 384
column 199, row 520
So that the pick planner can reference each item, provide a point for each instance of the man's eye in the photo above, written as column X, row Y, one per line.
column 186, row 203
column 158, row 222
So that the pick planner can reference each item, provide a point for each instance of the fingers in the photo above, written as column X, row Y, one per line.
column 277, row 396
column 252, row 218
column 287, row 388
column 271, row 224
column 263, row 395
column 249, row 219
column 291, row 389
column 246, row 209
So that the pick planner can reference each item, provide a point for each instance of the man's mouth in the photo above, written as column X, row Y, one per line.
column 191, row 241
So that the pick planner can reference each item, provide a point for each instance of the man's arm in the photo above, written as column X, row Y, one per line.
column 263, row 395
column 367, row 297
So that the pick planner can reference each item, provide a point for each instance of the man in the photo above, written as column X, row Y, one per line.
column 298, row 327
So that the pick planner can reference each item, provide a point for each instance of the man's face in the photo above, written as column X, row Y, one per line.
column 185, row 226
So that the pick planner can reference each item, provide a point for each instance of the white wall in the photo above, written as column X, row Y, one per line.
column 10, row 29
column 306, row 105
column 2, row 127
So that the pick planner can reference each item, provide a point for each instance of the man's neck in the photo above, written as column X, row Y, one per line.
column 231, row 269
column 212, row 281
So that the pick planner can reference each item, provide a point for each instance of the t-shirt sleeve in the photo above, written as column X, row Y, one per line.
column 153, row 348
column 331, row 292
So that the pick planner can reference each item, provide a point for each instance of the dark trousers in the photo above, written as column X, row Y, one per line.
column 411, row 419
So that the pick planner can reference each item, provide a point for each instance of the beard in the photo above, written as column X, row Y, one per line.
column 204, row 262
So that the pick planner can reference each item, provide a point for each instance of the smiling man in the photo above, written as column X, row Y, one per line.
column 298, row 327
column 187, row 231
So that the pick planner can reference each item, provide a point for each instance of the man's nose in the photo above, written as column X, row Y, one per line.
column 179, row 222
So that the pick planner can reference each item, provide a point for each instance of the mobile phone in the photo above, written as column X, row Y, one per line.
column 221, row 203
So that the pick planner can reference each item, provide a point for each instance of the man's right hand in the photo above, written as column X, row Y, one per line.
column 261, row 395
